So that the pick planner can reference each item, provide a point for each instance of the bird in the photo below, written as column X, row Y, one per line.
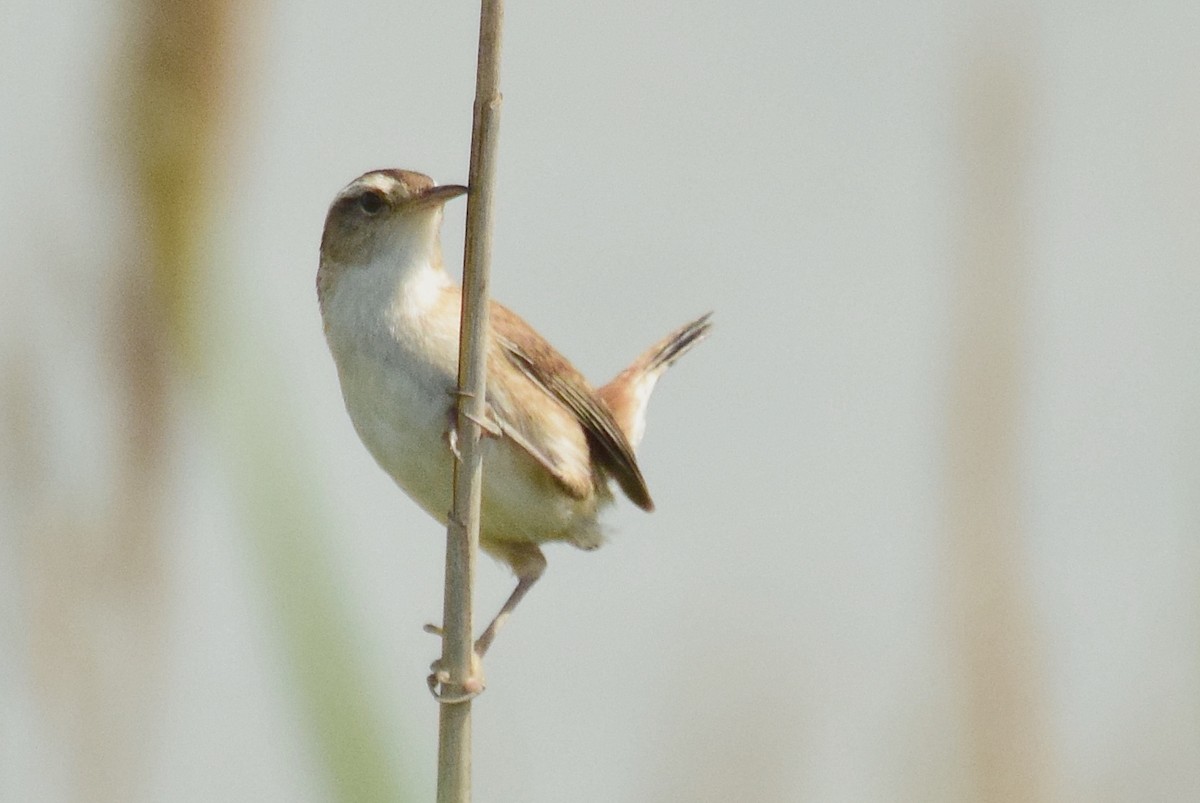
column 552, row 443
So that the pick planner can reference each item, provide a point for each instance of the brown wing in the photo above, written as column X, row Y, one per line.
column 529, row 352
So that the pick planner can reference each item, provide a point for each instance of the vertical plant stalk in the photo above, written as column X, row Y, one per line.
column 462, row 533
column 176, row 107
column 95, row 569
column 1007, row 745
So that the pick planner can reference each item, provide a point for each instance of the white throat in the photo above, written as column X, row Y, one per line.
column 401, row 280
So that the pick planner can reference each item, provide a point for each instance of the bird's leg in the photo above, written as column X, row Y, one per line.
column 528, row 563
column 439, row 676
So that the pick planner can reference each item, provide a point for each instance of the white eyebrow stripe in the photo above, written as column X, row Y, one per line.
column 373, row 181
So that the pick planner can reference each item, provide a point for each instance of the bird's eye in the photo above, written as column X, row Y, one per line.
column 370, row 202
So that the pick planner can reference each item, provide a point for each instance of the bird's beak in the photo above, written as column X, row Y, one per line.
column 436, row 196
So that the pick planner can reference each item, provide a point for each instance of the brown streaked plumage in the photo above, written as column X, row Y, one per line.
column 391, row 317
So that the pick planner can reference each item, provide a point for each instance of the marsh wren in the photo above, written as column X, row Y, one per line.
column 552, row 442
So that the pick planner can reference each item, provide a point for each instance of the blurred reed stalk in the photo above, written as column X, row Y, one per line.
column 97, row 580
column 98, row 594
column 184, row 61
column 462, row 533
column 993, row 629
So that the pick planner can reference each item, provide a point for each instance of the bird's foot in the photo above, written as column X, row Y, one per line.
column 488, row 428
column 447, row 692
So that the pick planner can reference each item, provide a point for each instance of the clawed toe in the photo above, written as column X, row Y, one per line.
column 439, row 677
column 447, row 693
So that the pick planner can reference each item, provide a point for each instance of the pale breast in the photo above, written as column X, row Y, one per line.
column 397, row 364
column 401, row 413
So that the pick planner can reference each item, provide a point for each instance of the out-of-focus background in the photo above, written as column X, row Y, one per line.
column 928, row 499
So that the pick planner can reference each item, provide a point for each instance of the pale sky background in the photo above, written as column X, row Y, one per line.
column 782, row 627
